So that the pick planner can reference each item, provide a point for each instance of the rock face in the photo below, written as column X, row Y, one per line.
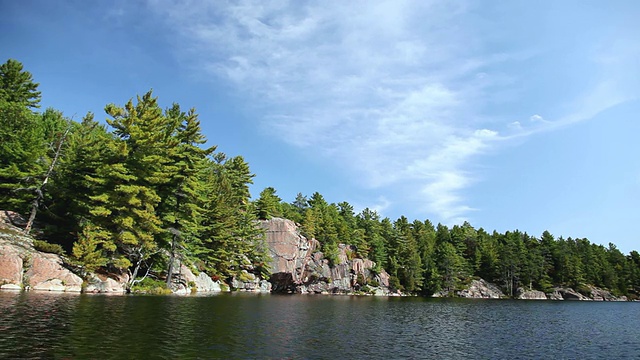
column 298, row 267
column 523, row 294
column 595, row 294
column 23, row 267
column 12, row 219
column 11, row 263
column 48, row 273
column 481, row 289
column 598, row 294
column 566, row 294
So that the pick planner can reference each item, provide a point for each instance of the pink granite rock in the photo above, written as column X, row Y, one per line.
column 298, row 266
column 47, row 273
column 10, row 268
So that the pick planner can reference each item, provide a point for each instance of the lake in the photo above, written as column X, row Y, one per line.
column 246, row 326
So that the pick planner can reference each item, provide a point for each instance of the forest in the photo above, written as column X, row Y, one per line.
column 144, row 188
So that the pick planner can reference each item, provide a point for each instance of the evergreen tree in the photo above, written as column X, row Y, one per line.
column 127, row 184
column 511, row 260
column 182, row 196
column 301, row 203
column 268, row 204
column 22, row 156
column 410, row 264
column 450, row 266
column 369, row 222
column 489, row 261
column 55, row 130
column 230, row 238
column 17, row 86
column 22, row 138
column 425, row 236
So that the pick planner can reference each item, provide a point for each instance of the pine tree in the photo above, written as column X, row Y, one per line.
column 182, row 200
column 17, row 86
column 22, row 156
column 22, row 141
column 230, row 237
column 55, row 131
column 449, row 266
column 268, row 204
column 369, row 221
column 410, row 264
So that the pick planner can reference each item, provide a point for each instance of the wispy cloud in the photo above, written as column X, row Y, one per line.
column 616, row 79
column 391, row 89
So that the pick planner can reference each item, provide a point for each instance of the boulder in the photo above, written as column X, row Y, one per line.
column 47, row 273
column 555, row 295
column 264, row 286
column 204, row 283
column 441, row 294
column 523, row 294
column 185, row 278
column 246, row 281
column 481, row 289
column 107, row 284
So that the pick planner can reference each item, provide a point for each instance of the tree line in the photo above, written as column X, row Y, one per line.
column 144, row 189
column 425, row 258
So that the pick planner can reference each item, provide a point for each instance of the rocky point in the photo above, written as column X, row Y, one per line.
column 297, row 265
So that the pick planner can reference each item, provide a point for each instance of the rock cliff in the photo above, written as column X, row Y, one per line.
column 297, row 266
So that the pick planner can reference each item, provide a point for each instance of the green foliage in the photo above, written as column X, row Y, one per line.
column 144, row 192
column 17, row 86
column 245, row 276
column 268, row 204
column 44, row 246
column 229, row 236
column 151, row 286
column 88, row 249
column 22, row 156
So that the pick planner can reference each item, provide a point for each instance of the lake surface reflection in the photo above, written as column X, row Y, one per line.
column 241, row 326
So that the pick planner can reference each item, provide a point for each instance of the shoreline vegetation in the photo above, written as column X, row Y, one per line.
column 142, row 203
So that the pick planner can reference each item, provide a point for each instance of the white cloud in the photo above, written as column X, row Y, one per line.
column 378, row 86
column 390, row 88
column 536, row 118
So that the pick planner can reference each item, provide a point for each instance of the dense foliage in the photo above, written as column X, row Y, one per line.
column 423, row 258
column 131, row 196
column 143, row 190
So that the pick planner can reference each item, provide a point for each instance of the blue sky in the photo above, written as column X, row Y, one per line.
column 511, row 115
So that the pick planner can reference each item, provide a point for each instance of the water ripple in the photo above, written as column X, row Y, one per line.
column 240, row 326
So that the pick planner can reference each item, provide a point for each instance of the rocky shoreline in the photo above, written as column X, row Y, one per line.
column 296, row 267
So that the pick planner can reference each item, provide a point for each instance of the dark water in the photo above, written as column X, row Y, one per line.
column 244, row 326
